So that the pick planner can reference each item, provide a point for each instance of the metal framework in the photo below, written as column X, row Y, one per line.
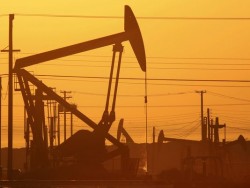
column 34, row 104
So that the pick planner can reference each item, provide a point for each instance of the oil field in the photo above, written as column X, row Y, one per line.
column 147, row 98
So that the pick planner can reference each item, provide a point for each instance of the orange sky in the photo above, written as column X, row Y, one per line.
column 172, row 105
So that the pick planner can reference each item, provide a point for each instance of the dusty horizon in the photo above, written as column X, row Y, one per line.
column 190, row 47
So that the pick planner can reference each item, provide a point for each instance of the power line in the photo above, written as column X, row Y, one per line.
column 66, row 78
column 236, row 121
column 69, row 16
column 154, row 67
column 171, row 106
column 230, row 97
column 81, row 61
column 202, row 58
column 160, row 68
column 234, row 118
column 175, row 124
column 138, row 17
column 149, row 62
column 203, row 69
column 237, row 128
column 120, row 95
column 3, row 15
column 189, row 132
column 157, row 106
column 165, row 57
column 194, row 80
column 150, row 79
column 234, row 112
column 168, row 117
column 173, row 120
column 155, row 84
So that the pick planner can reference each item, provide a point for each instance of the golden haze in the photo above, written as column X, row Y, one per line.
column 172, row 105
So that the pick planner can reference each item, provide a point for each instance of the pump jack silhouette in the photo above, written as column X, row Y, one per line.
column 88, row 148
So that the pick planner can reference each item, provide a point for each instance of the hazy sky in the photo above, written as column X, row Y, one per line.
column 182, row 43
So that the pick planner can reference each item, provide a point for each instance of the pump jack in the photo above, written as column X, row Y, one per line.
column 88, row 147
column 121, row 131
column 161, row 138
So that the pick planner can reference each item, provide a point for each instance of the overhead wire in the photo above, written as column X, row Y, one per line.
column 166, row 117
column 133, row 95
column 238, row 128
column 170, row 106
column 154, row 68
column 235, row 119
column 3, row 15
column 138, row 17
column 150, row 63
column 161, row 57
column 174, row 120
column 226, row 96
column 175, row 124
column 217, row 80
column 188, row 132
column 156, row 84
column 150, row 79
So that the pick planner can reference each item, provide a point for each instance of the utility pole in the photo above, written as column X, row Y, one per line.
column 153, row 134
column 65, row 97
column 216, row 128
column 10, row 96
column 212, row 130
column 203, row 131
column 10, row 99
column 71, row 124
column 58, row 128
column 0, row 127
column 208, row 125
